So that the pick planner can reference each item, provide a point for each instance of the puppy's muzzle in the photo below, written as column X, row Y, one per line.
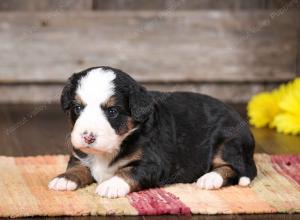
column 89, row 138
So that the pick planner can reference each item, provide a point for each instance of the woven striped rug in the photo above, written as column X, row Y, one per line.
column 24, row 192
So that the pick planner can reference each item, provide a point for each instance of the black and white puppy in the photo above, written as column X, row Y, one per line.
column 127, row 138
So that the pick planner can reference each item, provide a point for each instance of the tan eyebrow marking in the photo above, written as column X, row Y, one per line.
column 110, row 102
column 79, row 100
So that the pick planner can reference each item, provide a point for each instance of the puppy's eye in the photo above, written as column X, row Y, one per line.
column 78, row 109
column 112, row 112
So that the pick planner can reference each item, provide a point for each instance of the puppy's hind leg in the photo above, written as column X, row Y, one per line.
column 232, row 163
column 217, row 178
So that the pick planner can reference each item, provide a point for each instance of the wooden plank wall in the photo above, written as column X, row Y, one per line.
column 210, row 46
column 229, row 49
column 190, row 4
column 46, row 5
column 298, row 45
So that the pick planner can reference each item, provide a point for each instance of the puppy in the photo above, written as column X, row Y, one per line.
column 127, row 139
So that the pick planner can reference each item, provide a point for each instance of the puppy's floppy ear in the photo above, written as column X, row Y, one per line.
column 66, row 95
column 141, row 103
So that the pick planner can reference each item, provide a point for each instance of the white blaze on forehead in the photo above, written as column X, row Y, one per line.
column 97, row 86
column 95, row 89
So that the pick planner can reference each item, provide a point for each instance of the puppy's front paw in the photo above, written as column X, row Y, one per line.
column 211, row 180
column 61, row 183
column 113, row 188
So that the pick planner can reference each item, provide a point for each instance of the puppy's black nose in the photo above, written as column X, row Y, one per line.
column 89, row 138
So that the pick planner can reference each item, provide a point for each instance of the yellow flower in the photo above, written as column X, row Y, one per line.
column 279, row 108
column 288, row 121
column 291, row 102
column 262, row 109
column 277, row 96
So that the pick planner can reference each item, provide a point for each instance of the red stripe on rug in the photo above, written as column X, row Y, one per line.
column 287, row 165
column 157, row 202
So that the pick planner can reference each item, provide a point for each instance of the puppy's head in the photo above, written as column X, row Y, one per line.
column 105, row 106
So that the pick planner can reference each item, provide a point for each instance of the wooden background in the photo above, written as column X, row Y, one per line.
column 229, row 49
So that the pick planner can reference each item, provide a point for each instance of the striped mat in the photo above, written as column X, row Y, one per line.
column 24, row 192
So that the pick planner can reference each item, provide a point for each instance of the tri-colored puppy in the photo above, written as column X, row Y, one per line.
column 127, row 138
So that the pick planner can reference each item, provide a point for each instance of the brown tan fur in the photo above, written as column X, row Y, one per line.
column 108, row 156
column 110, row 102
column 222, row 167
column 124, row 172
column 127, row 127
column 79, row 100
column 79, row 174
column 130, row 124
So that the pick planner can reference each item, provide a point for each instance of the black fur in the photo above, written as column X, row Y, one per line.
column 179, row 133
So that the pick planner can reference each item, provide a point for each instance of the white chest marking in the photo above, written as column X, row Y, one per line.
column 100, row 168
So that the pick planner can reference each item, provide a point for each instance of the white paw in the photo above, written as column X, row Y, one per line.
column 113, row 188
column 211, row 180
column 61, row 183
column 244, row 181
